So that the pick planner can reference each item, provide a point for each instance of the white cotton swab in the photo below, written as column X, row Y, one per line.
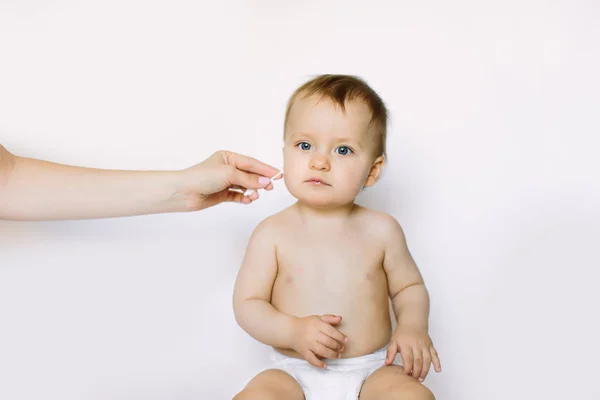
column 250, row 191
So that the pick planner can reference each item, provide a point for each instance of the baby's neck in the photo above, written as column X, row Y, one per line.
column 325, row 214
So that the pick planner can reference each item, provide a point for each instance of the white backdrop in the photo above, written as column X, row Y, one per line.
column 492, row 172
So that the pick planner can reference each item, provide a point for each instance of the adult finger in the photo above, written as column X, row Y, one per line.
column 392, row 350
column 426, row 364
column 312, row 359
column 247, row 180
column 417, row 362
column 407, row 359
column 435, row 359
column 328, row 341
column 323, row 351
column 249, row 164
column 237, row 197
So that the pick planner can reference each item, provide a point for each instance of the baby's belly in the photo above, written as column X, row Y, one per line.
column 363, row 306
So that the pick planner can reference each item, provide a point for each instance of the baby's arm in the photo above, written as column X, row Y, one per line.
column 252, row 293
column 410, row 301
column 405, row 283
column 310, row 336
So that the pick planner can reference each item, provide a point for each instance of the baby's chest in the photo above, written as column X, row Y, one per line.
column 320, row 260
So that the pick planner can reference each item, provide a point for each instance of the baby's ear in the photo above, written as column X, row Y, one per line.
column 375, row 171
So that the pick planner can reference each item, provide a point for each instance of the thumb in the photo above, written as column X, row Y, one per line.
column 391, row 353
column 331, row 319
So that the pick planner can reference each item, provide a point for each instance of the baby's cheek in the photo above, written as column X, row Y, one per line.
column 292, row 186
column 355, row 183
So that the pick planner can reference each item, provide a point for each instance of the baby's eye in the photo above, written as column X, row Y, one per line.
column 343, row 150
column 304, row 145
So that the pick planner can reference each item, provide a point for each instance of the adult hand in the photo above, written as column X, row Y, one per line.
column 224, row 176
column 32, row 189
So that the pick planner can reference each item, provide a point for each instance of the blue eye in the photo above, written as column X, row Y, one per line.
column 343, row 150
column 304, row 146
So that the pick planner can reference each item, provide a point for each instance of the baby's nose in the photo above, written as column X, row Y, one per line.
column 319, row 162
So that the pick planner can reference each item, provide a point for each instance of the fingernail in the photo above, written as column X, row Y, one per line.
column 339, row 355
column 346, row 340
column 263, row 180
column 420, row 379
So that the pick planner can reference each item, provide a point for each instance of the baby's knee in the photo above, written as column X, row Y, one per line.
column 412, row 391
column 256, row 393
column 272, row 384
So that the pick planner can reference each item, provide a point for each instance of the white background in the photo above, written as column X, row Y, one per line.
column 492, row 173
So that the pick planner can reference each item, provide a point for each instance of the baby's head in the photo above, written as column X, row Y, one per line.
column 334, row 140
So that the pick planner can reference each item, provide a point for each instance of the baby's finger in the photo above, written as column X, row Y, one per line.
column 331, row 319
column 333, row 333
column 407, row 359
column 435, row 359
column 391, row 353
column 417, row 362
column 328, row 341
column 325, row 352
column 426, row 365
column 312, row 359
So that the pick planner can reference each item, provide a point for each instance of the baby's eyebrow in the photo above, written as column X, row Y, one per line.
column 351, row 141
column 302, row 135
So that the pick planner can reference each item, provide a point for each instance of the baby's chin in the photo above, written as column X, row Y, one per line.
column 322, row 202
column 321, row 198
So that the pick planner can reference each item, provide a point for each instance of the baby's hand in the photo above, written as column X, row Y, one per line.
column 315, row 336
column 417, row 352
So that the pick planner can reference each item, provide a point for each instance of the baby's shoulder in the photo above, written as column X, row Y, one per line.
column 377, row 223
column 274, row 224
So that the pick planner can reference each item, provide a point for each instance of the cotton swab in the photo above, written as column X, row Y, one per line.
column 250, row 191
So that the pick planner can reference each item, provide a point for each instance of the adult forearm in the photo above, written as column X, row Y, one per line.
column 39, row 190
column 265, row 323
column 411, row 306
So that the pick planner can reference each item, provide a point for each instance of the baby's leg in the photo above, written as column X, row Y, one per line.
column 390, row 383
column 272, row 384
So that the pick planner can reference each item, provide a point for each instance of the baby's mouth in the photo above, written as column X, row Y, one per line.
column 317, row 182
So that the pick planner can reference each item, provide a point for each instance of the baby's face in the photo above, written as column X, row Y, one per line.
column 328, row 154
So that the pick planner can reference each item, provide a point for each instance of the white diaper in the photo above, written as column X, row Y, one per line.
column 342, row 380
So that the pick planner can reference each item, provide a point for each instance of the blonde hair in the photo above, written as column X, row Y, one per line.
column 343, row 88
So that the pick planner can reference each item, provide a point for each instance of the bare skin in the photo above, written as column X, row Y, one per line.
column 33, row 189
column 317, row 277
column 389, row 383
column 321, row 262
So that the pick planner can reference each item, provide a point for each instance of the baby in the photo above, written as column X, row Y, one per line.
column 315, row 279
